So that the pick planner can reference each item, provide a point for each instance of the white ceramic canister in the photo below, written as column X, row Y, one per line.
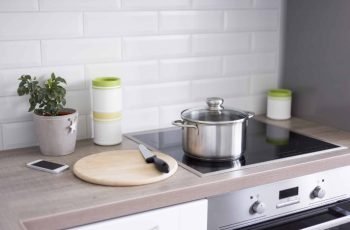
column 106, row 95
column 279, row 103
column 107, row 131
column 107, row 107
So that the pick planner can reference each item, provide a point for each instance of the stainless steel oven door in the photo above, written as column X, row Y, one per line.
column 332, row 216
column 340, row 223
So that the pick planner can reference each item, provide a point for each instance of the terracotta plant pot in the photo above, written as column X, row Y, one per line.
column 57, row 134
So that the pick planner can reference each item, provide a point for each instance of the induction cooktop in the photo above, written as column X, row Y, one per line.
column 265, row 143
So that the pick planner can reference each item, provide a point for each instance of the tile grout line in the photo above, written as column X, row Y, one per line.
column 41, row 52
column 83, row 17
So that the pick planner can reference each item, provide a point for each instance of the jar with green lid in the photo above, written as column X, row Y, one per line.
column 279, row 102
column 107, row 107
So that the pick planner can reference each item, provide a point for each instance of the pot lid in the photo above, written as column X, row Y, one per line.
column 215, row 113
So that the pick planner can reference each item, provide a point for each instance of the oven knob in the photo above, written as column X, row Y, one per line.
column 258, row 207
column 318, row 192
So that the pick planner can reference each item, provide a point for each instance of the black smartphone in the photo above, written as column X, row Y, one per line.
column 47, row 166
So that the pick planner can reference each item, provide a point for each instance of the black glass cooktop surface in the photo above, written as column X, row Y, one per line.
column 264, row 143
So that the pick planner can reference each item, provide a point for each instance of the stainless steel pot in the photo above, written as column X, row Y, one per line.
column 214, row 133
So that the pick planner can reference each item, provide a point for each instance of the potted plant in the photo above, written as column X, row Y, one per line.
column 56, row 126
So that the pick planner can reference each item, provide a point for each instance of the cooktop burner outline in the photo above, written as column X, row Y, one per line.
column 265, row 143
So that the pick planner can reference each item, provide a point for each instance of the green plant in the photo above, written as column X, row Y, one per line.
column 45, row 99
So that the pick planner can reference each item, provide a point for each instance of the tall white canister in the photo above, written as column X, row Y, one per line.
column 107, row 110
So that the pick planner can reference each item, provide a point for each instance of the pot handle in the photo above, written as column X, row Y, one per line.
column 180, row 123
column 250, row 115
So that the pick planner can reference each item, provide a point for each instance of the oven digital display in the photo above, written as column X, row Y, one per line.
column 288, row 192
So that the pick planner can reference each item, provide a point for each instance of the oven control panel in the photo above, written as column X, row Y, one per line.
column 261, row 203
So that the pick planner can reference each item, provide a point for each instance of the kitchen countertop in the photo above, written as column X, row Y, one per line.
column 32, row 199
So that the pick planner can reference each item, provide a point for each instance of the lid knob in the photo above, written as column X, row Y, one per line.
column 215, row 103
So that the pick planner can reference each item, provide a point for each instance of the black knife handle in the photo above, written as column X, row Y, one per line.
column 161, row 165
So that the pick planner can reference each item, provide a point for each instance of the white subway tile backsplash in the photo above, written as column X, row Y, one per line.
column 140, row 119
column 83, row 132
column 156, row 4
column 89, row 125
column 250, row 63
column 252, row 103
column 170, row 55
column 18, row 135
column 156, row 46
column 221, row 4
column 257, row 104
column 156, row 94
column 130, row 72
column 265, row 41
column 81, row 51
column 239, row 103
column 18, row 5
column 79, row 100
column 40, row 25
column 121, row 23
column 260, row 84
column 14, row 108
column 190, row 21
column 225, row 87
column 74, row 76
column 190, row 68
column 273, row 4
column 76, row 5
column 9, row 82
column 19, row 54
column 250, row 20
column 221, row 43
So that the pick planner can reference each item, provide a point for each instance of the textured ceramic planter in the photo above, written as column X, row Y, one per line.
column 57, row 134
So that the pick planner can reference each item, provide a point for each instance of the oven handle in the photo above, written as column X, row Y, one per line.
column 330, row 224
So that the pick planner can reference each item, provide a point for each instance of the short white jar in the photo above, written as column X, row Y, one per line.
column 279, row 103
column 107, row 106
column 107, row 131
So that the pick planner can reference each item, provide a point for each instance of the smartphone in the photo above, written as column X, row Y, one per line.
column 47, row 166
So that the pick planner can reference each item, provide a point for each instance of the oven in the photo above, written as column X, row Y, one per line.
column 316, row 201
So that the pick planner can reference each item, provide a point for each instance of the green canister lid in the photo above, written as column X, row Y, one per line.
column 106, row 82
column 279, row 93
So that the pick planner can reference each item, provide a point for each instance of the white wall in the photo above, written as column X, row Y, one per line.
column 170, row 54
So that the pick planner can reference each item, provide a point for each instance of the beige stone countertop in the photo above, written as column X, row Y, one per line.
column 32, row 199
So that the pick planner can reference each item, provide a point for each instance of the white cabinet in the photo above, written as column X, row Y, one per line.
column 192, row 215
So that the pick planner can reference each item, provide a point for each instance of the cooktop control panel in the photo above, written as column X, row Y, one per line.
column 257, row 204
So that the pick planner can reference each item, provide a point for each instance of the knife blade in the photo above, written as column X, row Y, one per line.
column 150, row 157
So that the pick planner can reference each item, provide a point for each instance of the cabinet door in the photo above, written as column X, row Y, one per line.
column 160, row 219
column 192, row 215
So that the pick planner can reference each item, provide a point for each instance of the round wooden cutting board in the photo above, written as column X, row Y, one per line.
column 121, row 168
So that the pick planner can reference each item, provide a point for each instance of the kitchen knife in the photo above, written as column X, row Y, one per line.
column 150, row 157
